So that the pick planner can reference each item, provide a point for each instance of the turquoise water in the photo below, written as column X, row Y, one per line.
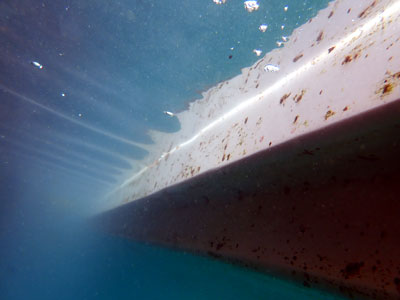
column 69, row 131
column 48, row 252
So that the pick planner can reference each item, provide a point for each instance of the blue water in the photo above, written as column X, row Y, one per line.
column 48, row 251
column 73, row 129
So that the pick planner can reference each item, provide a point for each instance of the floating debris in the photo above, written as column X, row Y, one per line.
column 257, row 52
column 271, row 68
column 251, row 6
column 168, row 113
column 219, row 1
column 36, row 64
column 263, row 27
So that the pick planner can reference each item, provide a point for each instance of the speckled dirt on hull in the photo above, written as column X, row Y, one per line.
column 294, row 172
column 342, row 63
column 322, row 209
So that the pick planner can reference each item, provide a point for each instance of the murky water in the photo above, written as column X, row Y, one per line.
column 81, row 84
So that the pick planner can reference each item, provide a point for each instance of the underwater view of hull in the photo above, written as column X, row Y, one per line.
column 297, row 174
column 293, row 210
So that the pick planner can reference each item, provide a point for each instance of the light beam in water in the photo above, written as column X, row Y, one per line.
column 72, row 120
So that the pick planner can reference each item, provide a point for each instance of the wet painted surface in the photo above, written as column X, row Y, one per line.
column 321, row 209
column 293, row 171
column 350, row 66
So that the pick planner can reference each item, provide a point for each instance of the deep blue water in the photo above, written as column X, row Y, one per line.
column 69, row 133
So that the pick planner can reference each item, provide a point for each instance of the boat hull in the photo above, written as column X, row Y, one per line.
column 322, row 209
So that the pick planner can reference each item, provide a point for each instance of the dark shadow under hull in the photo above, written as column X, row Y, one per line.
column 322, row 209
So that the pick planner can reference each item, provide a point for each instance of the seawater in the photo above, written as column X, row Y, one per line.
column 49, row 251
column 114, row 66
